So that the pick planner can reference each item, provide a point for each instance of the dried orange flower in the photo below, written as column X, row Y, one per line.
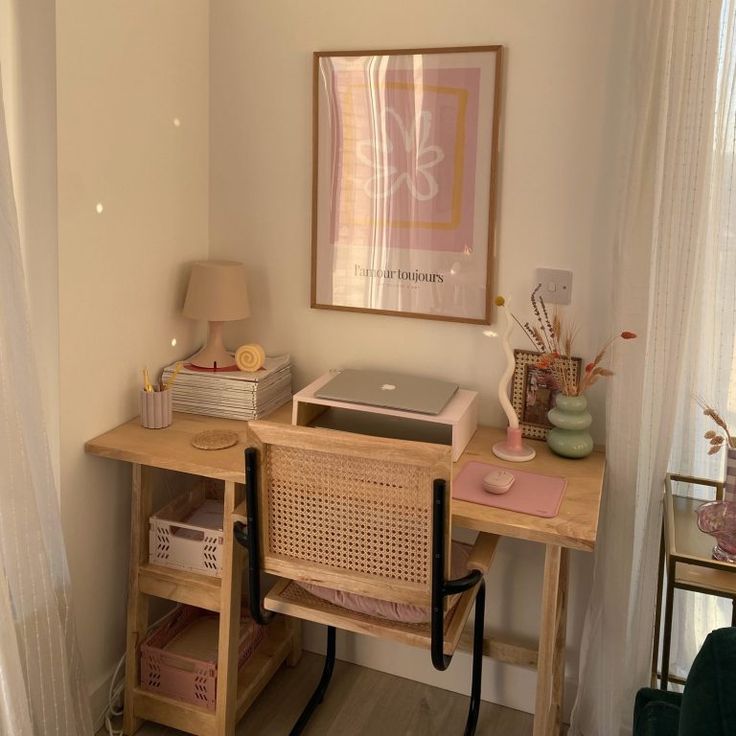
column 551, row 337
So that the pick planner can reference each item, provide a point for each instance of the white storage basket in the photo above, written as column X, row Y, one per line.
column 187, row 533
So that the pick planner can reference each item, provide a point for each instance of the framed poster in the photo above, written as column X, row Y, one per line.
column 404, row 181
column 534, row 391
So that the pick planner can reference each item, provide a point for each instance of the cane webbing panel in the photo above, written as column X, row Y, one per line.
column 352, row 513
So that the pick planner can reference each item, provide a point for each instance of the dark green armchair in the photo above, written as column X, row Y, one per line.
column 707, row 707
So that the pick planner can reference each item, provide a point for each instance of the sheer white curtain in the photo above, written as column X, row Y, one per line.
column 710, row 365
column 42, row 690
column 660, row 272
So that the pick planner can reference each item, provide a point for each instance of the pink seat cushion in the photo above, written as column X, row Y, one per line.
column 402, row 612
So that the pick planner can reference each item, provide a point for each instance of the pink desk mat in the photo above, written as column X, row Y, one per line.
column 538, row 495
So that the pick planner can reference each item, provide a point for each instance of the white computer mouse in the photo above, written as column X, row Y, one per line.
column 498, row 481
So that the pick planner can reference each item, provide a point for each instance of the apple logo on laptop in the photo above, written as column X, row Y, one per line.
column 388, row 387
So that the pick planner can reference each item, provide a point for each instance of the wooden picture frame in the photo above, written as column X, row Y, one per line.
column 530, row 379
column 405, row 159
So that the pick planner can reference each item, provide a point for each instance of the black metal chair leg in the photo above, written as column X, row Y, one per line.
column 319, row 693
column 478, row 631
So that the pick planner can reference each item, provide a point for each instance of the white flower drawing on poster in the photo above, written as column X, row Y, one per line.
column 388, row 177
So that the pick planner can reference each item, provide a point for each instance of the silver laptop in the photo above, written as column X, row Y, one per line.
column 389, row 390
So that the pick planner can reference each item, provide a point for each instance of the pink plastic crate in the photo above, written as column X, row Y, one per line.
column 179, row 658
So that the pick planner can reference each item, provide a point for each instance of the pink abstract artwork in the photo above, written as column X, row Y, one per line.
column 404, row 149
column 405, row 159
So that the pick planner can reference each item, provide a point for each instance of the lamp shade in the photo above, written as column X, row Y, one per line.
column 217, row 292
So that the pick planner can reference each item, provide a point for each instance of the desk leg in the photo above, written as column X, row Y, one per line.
column 551, row 666
column 229, row 634
column 137, row 602
column 295, row 626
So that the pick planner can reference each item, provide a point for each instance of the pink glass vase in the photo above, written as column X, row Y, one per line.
column 718, row 518
column 729, row 491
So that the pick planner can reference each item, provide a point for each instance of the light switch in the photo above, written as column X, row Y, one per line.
column 556, row 285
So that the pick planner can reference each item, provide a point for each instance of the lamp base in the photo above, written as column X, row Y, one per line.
column 209, row 359
column 213, row 355
column 199, row 369
column 512, row 449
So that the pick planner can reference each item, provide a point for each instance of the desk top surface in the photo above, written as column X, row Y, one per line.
column 575, row 526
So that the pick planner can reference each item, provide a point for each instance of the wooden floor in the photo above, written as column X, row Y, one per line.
column 363, row 702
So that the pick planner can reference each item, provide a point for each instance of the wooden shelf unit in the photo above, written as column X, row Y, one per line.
column 235, row 691
column 191, row 588
column 253, row 677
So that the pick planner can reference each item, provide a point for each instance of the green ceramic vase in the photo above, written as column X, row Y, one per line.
column 570, row 419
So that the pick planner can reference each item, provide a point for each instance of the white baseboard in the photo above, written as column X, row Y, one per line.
column 98, row 696
column 508, row 685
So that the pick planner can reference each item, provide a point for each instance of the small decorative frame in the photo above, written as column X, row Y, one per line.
column 533, row 392
column 405, row 158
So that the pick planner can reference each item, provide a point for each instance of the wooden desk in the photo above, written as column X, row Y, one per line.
column 575, row 527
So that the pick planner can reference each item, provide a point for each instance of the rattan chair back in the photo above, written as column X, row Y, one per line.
column 349, row 511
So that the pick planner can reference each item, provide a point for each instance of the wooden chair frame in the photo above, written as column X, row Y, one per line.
column 471, row 586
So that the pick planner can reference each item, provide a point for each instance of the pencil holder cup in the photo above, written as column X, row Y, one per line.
column 155, row 408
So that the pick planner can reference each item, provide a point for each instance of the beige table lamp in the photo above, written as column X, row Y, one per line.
column 218, row 293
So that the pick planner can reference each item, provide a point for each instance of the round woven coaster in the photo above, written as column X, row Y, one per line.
column 215, row 439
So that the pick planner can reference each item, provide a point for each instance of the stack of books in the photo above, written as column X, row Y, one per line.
column 232, row 394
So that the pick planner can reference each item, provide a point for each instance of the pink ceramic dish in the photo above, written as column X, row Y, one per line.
column 718, row 518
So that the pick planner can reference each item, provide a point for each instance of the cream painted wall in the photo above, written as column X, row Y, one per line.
column 125, row 71
column 28, row 63
column 557, row 208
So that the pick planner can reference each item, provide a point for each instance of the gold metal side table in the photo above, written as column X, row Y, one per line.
column 686, row 556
